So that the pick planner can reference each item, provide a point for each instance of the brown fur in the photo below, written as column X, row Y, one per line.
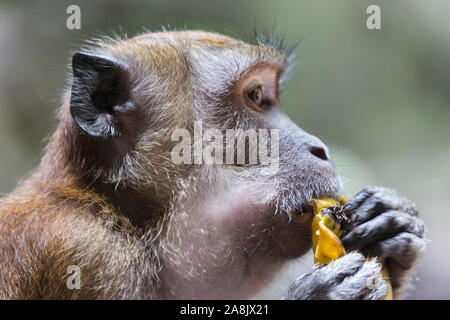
column 118, row 208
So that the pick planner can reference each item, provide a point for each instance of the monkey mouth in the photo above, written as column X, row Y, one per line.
column 303, row 213
column 304, row 208
column 300, row 210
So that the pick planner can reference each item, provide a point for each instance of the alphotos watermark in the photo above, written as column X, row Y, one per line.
column 373, row 21
column 73, row 21
column 74, row 279
column 234, row 146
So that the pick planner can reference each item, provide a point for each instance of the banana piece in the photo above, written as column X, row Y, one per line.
column 326, row 231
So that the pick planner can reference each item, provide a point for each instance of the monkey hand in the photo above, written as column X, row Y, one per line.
column 386, row 225
column 350, row 277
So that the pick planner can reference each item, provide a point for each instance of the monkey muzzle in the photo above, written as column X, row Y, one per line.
column 303, row 215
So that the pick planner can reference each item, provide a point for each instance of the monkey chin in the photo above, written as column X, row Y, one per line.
column 292, row 234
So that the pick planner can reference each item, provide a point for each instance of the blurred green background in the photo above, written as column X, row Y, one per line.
column 379, row 98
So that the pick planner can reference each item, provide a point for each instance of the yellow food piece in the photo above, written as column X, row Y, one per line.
column 385, row 274
column 326, row 232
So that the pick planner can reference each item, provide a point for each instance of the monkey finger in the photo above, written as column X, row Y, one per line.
column 382, row 227
column 343, row 267
column 400, row 255
column 366, row 284
column 405, row 249
column 356, row 202
column 317, row 283
column 372, row 201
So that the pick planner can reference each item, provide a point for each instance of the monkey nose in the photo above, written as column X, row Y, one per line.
column 318, row 152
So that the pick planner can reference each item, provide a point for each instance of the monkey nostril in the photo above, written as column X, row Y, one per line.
column 318, row 152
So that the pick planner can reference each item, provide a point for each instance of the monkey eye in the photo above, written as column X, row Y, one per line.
column 256, row 96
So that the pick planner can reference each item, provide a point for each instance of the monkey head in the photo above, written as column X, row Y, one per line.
column 138, row 106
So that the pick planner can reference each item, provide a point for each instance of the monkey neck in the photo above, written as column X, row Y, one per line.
column 69, row 171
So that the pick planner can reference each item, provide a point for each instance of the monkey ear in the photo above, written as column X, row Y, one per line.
column 99, row 90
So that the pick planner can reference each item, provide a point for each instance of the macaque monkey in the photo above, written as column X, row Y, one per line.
column 108, row 198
